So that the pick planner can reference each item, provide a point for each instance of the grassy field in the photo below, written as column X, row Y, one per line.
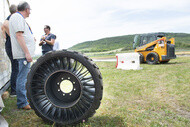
column 158, row 95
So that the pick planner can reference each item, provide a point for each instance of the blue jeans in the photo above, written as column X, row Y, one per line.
column 24, row 68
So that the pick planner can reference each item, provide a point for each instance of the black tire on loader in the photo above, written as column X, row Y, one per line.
column 141, row 58
column 152, row 58
column 64, row 87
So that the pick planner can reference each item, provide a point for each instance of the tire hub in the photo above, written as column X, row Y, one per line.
column 66, row 86
column 63, row 89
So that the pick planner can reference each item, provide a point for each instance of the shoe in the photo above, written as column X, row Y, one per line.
column 1, row 109
column 13, row 94
column 27, row 107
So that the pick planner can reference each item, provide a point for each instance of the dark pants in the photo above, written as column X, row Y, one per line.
column 14, row 73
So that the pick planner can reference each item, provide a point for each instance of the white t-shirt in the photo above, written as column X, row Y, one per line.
column 17, row 23
column 56, row 45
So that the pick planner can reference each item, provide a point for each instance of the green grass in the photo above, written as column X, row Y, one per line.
column 158, row 95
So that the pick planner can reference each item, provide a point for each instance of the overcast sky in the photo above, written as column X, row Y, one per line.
column 75, row 21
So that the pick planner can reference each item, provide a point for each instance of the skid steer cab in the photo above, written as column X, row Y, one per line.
column 154, row 48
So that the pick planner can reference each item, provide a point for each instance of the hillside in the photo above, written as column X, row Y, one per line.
column 125, row 42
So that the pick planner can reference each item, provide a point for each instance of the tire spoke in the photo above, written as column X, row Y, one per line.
column 82, row 105
column 43, row 70
column 89, row 84
column 79, row 69
column 53, row 112
column 58, row 114
column 88, row 98
column 64, row 112
column 48, row 109
column 75, row 67
column 79, row 109
column 87, row 79
column 61, row 63
column 73, row 116
column 82, row 75
column 69, row 63
column 41, row 100
column 45, row 105
column 90, row 90
column 88, row 93
column 48, row 66
column 65, row 63
column 54, row 61
column 37, row 81
column 37, row 94
column 86, row 103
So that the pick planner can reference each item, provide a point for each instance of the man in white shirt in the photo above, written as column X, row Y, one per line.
column 23, row 47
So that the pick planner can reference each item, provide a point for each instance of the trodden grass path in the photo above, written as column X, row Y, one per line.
column 157, row 95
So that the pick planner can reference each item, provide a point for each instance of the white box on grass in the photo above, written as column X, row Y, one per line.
column 128, row 61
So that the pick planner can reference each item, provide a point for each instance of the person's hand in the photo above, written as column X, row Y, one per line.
column 28, row 57
column 41, row 43
column 43, row 37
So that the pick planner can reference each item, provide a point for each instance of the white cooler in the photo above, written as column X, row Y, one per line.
column 128, row 61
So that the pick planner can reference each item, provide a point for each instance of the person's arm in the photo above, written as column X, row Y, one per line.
column 50, row 42
column 6, row 27
column 21, row 41
column 3, row 32
column 41, row 42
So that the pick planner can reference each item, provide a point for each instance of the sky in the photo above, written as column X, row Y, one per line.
column 76, row 21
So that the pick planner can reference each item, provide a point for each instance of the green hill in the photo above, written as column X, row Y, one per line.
column 125, row 42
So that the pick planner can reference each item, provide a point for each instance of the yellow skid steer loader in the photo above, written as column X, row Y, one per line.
column 154, row 48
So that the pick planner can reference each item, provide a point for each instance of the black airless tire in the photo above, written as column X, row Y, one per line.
column 152, row 58
column 164, row 62
column 64, row 87
column 141, row 58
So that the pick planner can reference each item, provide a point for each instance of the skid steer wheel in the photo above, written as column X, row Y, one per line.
column 141, row 58
column 152, row 58
column 64, row 87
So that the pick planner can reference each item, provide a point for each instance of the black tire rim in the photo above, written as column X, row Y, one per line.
column 63, row 89
column 50, row 98
column 151, row 58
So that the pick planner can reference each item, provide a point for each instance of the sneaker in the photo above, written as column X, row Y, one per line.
column 27, row 107
column 13, row 94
